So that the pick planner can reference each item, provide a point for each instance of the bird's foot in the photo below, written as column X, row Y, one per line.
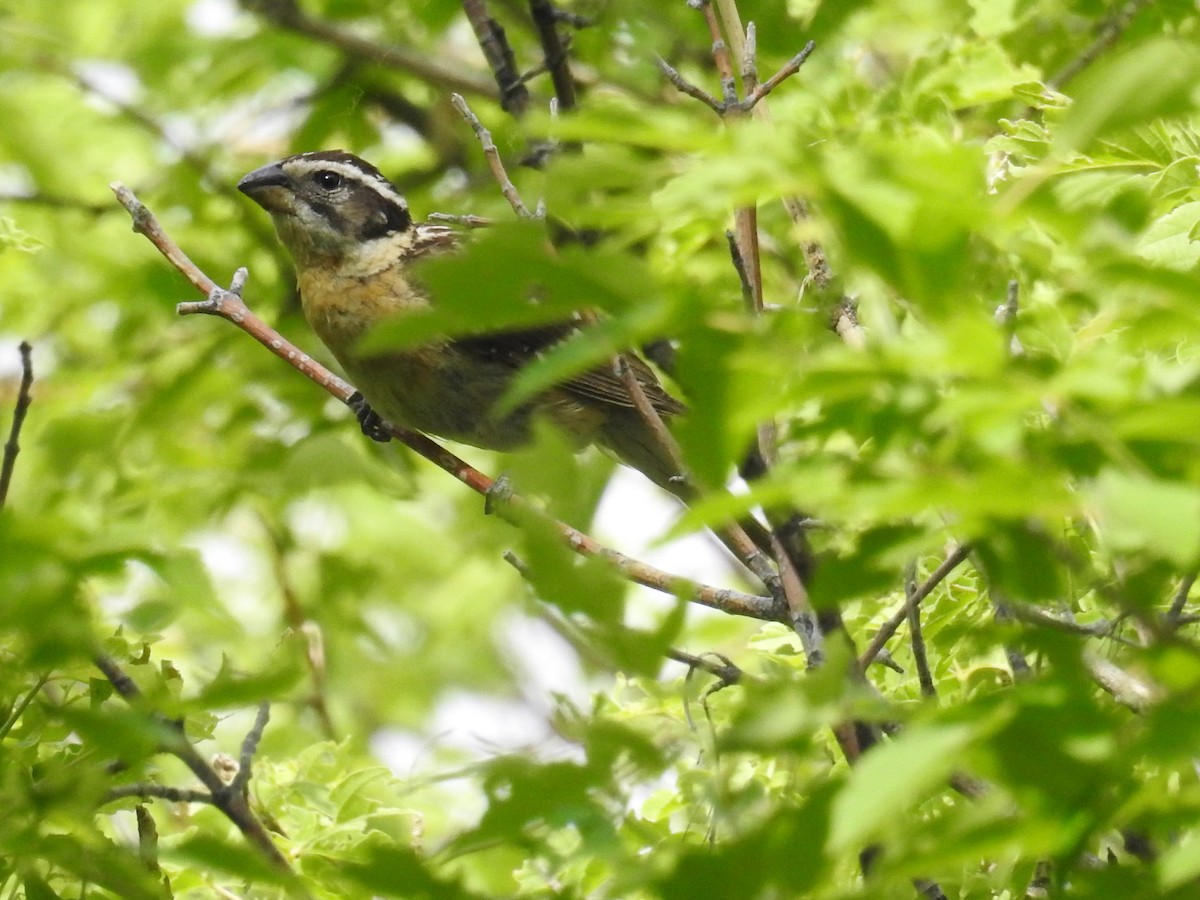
column 369, row 421
column 496, row 497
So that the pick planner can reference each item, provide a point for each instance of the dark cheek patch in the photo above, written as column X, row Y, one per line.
column 328, row 212
column 383, row 219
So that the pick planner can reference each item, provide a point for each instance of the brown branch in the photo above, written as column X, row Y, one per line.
column 790, row 68
column 230, row 306
column 514, row 96
column 13, row 446
column 1110, row 31
column 492, row 155
column 553, row 52
column 231, row 802
column 924, row 676
column 949, row 564
column 1179, row 601
column 241, row 781
column 147, row 791
column 442, row 73
column 714, row 663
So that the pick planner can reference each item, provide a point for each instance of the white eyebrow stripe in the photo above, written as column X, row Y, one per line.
column 349, row 170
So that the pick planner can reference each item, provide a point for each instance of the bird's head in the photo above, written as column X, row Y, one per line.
column 328, row 205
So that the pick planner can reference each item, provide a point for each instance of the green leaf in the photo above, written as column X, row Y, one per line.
column 892, row 779
column 1136, row 512
column 1154, row 80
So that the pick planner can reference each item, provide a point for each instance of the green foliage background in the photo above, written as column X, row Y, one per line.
column 211, row 520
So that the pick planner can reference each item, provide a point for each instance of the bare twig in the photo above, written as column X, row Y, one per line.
column 230, row 306
column 924, row 676
column 686, row 87
column 24, row 397
column 467, row 221
column 949, row 564
column 714, row 663
column 514, row 96
column 1179, row 601
column 250, row 747
column 442, row 73
column 147, row 791
column 1110, row 31
column 20, row 706
column 553, row 52
column 790, row 68
column 492, row 155
column 231, row 802
column 304, row 628
column 147, row 838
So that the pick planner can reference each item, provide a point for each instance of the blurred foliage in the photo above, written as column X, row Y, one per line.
column 187, row 505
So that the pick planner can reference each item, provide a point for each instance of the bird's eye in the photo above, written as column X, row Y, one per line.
column 328, row 180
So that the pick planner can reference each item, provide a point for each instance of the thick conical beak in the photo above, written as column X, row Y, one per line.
column 269, row 187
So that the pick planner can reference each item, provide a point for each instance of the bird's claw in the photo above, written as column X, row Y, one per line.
column 369, row 421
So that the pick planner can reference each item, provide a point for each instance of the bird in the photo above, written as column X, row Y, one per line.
column 355, row 247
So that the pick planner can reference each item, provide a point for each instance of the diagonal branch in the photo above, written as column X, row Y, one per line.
column 441, row 73
column 949, row 564
column 12, row 446
column 230, row 306
column 514, row 96
column 231, row 802
column 553, row 52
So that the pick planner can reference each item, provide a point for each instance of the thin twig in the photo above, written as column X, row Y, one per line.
column 441, row 73
column 467, row 221
column 232, row 803
column 304, row 628
column 1179, row 601
column 949, row 564
column 917, row 639
column 250, row 747
column 553, row 52
column 686, row 87
column 24, row 397
column 20, row 706
column 147, row 791
column 1110, row 31
column 492, row 155
column 514, row 96
column 714, row 663
column 230, row 306
column 790, row 68
column 722, row 58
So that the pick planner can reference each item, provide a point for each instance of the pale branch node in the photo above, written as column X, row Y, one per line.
column 230, row 306
column 949, row 564
column 231, row 802
column 467, row 221
column 24, row 398
column 492, row 155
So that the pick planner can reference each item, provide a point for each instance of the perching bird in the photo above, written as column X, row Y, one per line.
column 353, row 241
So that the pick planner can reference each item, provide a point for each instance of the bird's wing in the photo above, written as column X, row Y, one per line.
column 519, row 347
